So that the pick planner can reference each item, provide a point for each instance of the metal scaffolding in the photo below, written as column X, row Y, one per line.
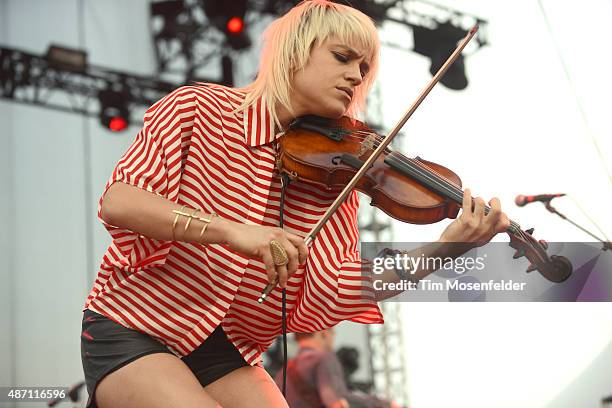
column 385, row 342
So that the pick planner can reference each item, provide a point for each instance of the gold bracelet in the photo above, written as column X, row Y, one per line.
column 179, row 212
column 206, row 222
column 191, row 217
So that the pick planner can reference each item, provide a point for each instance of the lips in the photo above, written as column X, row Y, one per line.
column 348, row 91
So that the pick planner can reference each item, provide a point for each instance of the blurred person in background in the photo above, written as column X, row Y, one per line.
column 316, row 379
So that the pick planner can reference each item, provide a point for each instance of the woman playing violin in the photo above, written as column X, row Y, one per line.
column 193, row 208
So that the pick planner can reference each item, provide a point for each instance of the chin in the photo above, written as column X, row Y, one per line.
column 332, row 112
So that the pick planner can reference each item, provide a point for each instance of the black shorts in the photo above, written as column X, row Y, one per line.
column 107, row 346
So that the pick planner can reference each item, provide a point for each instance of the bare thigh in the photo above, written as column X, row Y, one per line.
column 157, row 380
column 247, row 387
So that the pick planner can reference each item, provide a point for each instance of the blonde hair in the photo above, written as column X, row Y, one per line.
column 289, row 40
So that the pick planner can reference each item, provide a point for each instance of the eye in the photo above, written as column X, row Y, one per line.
column 340, row 57
column 364, row 69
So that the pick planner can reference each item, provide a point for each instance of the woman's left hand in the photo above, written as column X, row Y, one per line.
column 473, row 225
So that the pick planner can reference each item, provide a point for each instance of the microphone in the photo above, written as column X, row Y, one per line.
column 522, row 200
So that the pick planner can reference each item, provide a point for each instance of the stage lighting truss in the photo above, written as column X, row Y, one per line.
column 387, row 358
column 31, row 79
column 436, row 32
column 189, row 35
column 426, row 15
column 192, row 36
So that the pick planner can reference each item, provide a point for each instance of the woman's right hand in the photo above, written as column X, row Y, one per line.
column 254, row 241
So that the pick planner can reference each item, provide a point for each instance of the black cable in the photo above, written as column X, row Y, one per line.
column 284, row 319
column 284, row 183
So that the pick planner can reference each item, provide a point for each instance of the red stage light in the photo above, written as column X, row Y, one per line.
column 117, row 124
column 235, row 25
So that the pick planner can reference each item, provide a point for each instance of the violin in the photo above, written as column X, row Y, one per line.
column 346, row 153
column 329, row 153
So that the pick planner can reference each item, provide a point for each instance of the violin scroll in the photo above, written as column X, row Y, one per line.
column 555, row 268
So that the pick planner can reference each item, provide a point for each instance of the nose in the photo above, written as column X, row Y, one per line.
column 353, row 74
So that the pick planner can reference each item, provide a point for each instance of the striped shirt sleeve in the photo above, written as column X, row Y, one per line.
column 153, row 162
column 355, row 292
column 334, row 272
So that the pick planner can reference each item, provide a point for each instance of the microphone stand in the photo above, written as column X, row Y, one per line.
column 606, row 244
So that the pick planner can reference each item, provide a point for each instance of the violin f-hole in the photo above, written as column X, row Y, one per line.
column 348, row 160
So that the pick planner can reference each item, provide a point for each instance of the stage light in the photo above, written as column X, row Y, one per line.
column 117, row 124
column 228, row 17
column 67, row 58
column 438, row 44
column 114, row 111
column 235, row 25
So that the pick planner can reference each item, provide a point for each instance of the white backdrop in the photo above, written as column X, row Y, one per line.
column 515, row 130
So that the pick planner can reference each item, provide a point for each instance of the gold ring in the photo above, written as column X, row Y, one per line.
column 279, row 255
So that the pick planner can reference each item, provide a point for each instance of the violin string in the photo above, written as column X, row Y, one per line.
column 437, row 178
column 425, row 171
column 453, row 189
column 433, row 175
column 358, row 133
column 428, row 172
column 445, row 183
column 457, row 189
column 406, row 160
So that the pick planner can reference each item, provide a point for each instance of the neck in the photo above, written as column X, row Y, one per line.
column 284, row 117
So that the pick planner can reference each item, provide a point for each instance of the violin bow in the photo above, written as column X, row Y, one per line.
column 379, row 150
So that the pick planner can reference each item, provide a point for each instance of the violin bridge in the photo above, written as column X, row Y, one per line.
column 367, row 144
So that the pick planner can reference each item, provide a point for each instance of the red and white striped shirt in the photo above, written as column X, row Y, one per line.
column 195, row 150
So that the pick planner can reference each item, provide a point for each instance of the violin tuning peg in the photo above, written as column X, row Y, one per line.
column 530, row 231
column 543, row 243
column 519, row 252
column 531, row 267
